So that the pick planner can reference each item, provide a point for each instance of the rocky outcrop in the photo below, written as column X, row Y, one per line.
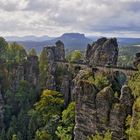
column 53, row 54
column 59, row 51
column 136, row 60
column 100, row 111
column 104, row 100
column 86, row 114
column 51, row 82
column 27, row 70
column 32, row 70
column 103, row 51
column 66, row 89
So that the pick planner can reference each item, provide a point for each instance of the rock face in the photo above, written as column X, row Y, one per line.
column 86, row 114
column 66, row 89
column 53, row 54
column 59, row 51
column 28, row 70
column 136, row 60
column 32, row 70
column 100, row 111
column 103, row 51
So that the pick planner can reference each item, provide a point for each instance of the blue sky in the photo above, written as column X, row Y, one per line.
column 55, row 17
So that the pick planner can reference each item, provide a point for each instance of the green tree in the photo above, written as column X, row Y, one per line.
column 10, row 133
column 133, row 122
column 13, row 124
column 43, row 66
column 66, row 126
column 14, row 137
column 134, row 83
column 100, row 80
column 3, row 134
column 16, row 52
column 3, row 47
column 42, row 135
column 107, row 136
column 74, row 56
column 47, row 112
column 32, row 52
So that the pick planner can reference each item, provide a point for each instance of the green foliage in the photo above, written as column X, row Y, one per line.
column 134, row 84
column 107, row 136
column 18, row 103
column 99, row 80
column 126, row 55
column 3, row 134
column 133, row 123
column 46, row 114
column 14, row 137
column 42, row 135
column 43, row 67
column 74, row 56
column 16, row 53
column 66, row 126
column 32, row 52
column 3, row 48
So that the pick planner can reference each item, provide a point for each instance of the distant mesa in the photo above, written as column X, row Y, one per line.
column 74, row 35
column 72, row 41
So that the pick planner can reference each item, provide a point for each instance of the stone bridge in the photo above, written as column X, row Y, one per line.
column 128, row 71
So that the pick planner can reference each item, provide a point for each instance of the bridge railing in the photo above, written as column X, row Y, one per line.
column 106, row 66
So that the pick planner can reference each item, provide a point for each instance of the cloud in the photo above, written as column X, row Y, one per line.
column 118, row 17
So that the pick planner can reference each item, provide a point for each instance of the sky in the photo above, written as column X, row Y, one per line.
column 55, row 17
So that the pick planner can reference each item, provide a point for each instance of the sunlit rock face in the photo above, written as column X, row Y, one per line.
column 99, row 111
column 103, row 51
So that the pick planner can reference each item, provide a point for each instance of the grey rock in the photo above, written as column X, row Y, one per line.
column 104, row 100
column 85, row 110
column 127, row 98
column 103, row 51
column 66, row 89
column 51, row 83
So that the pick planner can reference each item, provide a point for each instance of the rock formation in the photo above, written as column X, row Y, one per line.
column 27, row 70
column 103, row 51
column 100, row 110
column 32, row 70
column 136, row 60
column 53, row 54
column 66, row 89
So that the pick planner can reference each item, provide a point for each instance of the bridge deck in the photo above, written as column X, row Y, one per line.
column 113, row 68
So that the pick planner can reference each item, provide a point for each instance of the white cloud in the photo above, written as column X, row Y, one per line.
column 21, row 17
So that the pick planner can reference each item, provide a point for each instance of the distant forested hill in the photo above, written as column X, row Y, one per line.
column 72, row 41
